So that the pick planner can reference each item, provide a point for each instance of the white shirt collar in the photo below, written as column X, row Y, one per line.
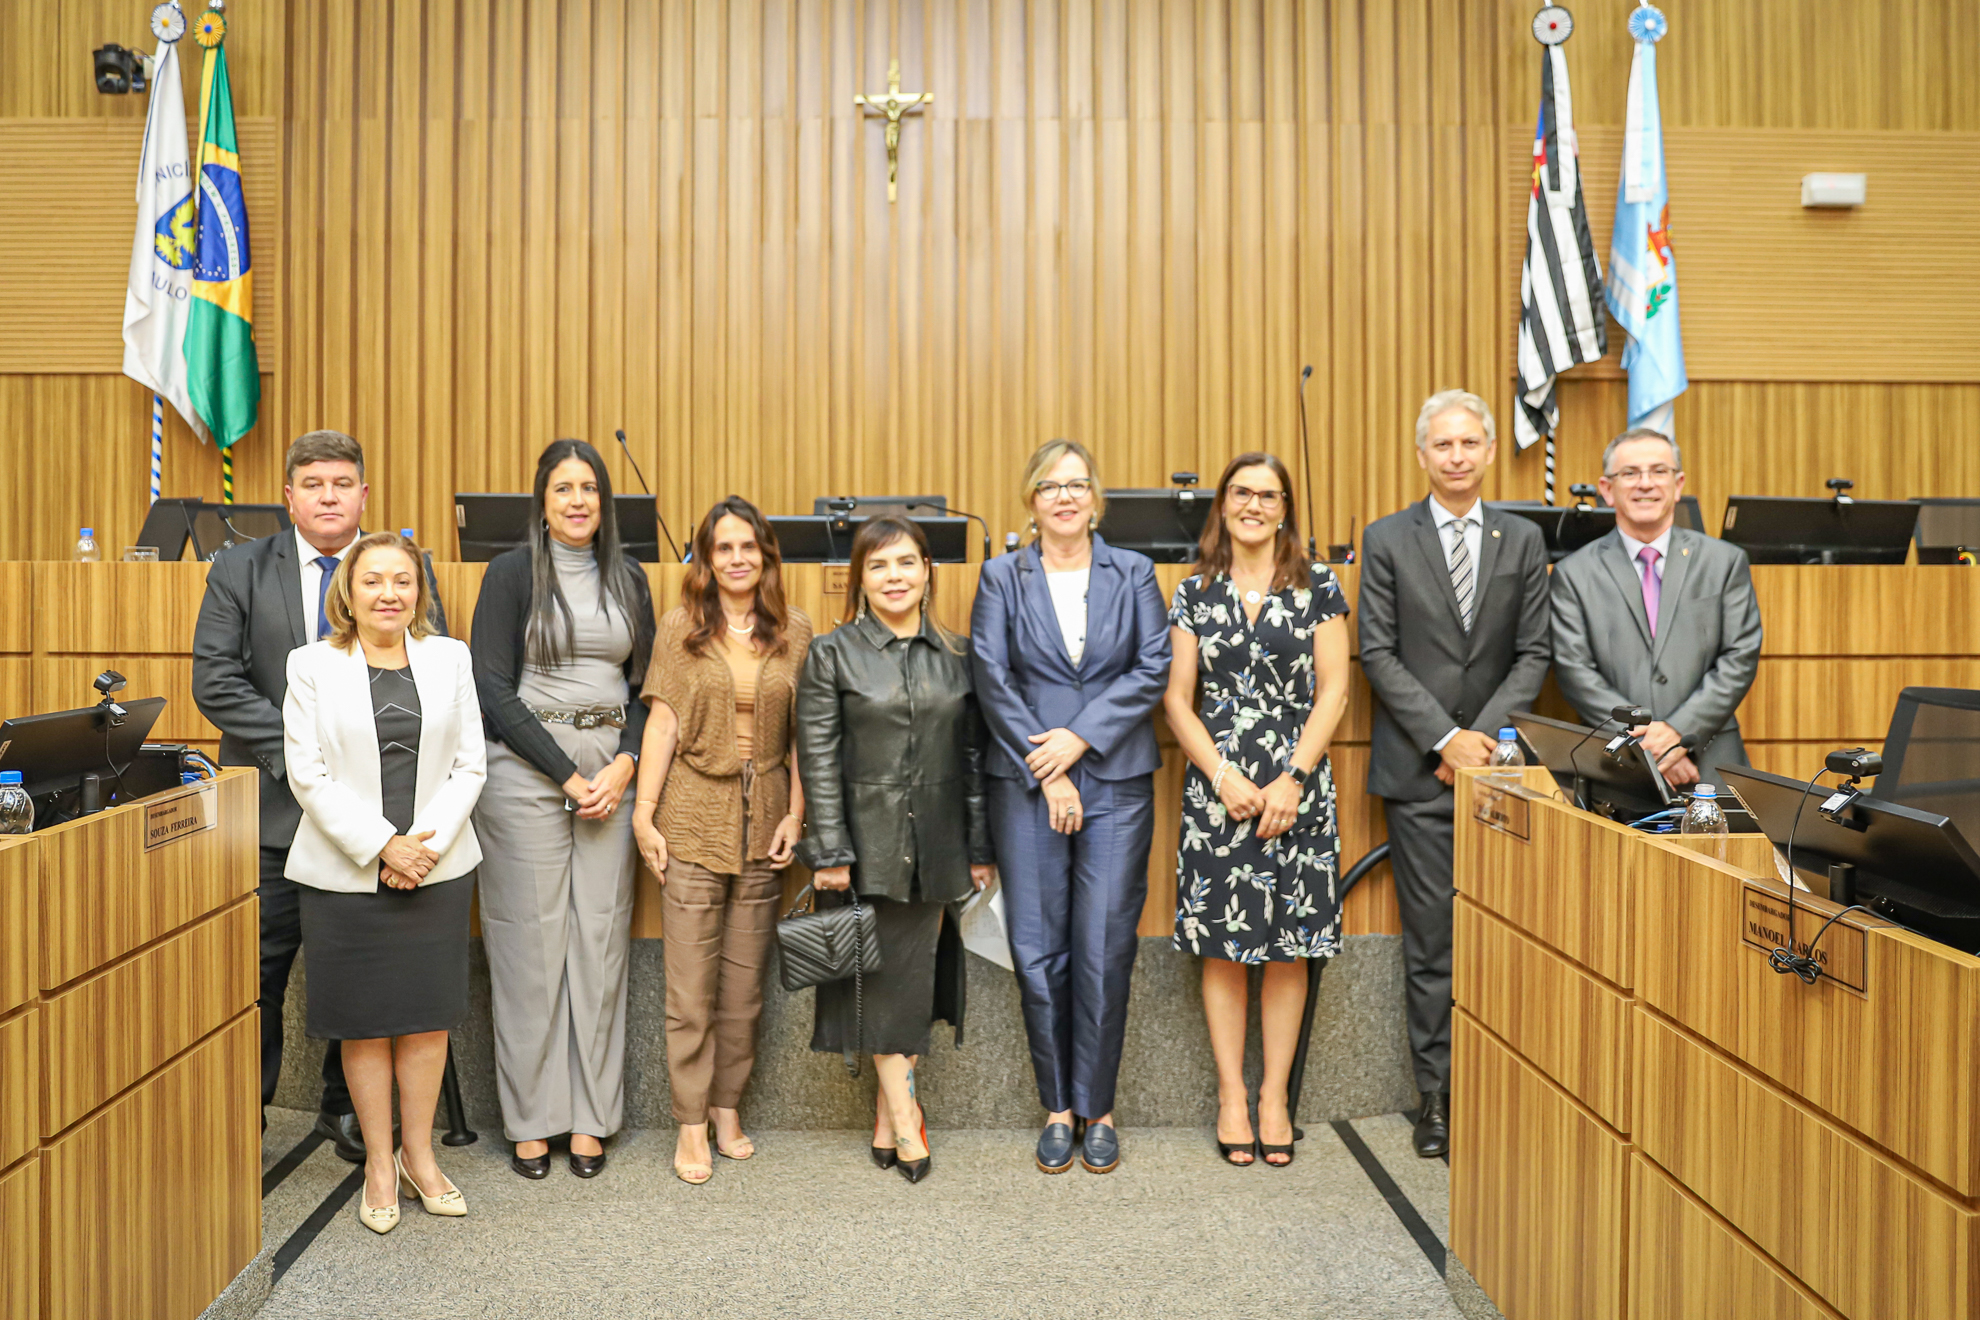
column 1444, row 517
column 1633, row 547
column 309, row 554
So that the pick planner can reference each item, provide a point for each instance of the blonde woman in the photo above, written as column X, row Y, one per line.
column 1071, row 648
column 382, row 735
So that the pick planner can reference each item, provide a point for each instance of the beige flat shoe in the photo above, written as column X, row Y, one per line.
column 379, row 1219
column 449, row 1202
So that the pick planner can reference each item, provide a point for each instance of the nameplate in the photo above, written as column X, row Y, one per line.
column 1842, row 954
column 835, row 578
column 182, row 816
column 1502, row 807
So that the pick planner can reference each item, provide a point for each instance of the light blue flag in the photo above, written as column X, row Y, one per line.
column 1642, row 290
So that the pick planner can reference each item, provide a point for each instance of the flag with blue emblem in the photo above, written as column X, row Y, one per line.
column 220, row 358
column 1642, row 290
column 158, row 299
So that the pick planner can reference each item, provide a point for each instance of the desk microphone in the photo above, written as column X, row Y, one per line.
column 658, row 516
column 950, row 511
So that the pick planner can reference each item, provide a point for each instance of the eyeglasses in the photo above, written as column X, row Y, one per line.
column 1051, row 490
column 1633, row 476
column 1268, row 500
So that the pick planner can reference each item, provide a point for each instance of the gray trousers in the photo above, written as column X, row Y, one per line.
column 556, row 919
column 1420, row 855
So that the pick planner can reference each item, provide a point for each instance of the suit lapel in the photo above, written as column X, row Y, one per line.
column 353, row 714
column 1102, row 591
column 1616, row 560
column 1438, row 564
column 1676, row 564
column 1490, row 523
column 1038, row 600
column 289, row 574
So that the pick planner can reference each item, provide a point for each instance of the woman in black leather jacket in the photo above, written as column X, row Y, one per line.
column 890, row 747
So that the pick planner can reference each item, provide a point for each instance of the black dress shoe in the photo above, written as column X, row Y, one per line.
column 1433, row 1125
column 343, row 1133
column 1100, row 1149
column 536, row 1168
column 587, row 1166
column 1055, row 1148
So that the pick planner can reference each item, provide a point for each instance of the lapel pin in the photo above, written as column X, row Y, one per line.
column 1685, row 551
column 1495, row 533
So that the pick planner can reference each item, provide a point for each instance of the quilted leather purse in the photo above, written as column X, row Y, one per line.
column 830, row 944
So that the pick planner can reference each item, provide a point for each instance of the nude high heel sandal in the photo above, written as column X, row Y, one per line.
column 449, row 1202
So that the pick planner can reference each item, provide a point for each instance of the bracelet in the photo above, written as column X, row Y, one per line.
column 1217, row 780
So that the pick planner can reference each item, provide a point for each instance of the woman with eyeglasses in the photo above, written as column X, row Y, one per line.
column 1259, row 686
column 1071, row 652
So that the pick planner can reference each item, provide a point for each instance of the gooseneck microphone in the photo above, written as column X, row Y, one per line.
column 659, row 516
column 1306, row 467
column 953, row 512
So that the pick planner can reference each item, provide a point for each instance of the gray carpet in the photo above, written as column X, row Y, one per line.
column 810, row 1227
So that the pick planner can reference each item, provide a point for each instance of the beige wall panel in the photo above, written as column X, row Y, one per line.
column 118, row 609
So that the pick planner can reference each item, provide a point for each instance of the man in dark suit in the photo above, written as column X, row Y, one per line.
column 263, row 600
column 1658, row 616
column 1453, row 610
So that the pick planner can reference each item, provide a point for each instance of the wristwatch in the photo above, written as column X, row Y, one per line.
column 1300, row 776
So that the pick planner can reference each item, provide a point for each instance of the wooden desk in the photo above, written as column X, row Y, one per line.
column 130, row 1073
column 1650, row 1121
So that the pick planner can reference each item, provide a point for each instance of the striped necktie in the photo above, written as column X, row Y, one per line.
column 1463, row 579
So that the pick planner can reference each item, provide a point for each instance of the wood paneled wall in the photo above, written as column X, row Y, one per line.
column 1129, row 221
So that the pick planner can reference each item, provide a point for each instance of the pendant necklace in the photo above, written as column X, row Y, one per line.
column 740, row 632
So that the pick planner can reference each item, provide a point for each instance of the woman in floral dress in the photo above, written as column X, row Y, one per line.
column 1264, row 632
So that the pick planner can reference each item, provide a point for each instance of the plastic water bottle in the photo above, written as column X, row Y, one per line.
column 16, row 808
column 86, row 551
column 1703, row 816
column 1507, row 752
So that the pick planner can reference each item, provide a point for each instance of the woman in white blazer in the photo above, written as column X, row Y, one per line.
column 382, row 731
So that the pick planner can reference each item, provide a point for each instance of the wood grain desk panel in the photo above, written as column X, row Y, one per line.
column 104, row 895
column 1566, row 885
column 116, row 609
column 1843, row 699
column 20, row 921
column 20, row 1241
column 160, row 1001
column 17, row 621
column 1684, row 1261
column 1866, row 1235
column 65, row 681
column 139, row 1226
column 1869, row 609
column 20, row 1084
column 1538, row 1186
column 1900, row 1064
column 1574, row 1028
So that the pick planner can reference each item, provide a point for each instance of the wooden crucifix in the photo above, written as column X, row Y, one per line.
column 893, row 105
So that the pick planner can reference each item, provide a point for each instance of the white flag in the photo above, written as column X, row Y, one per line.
column 158, row 301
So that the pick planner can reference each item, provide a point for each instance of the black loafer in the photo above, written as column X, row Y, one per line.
column 1101, row 1151
column 1433, row 1125
column 537, row 1168
column 587, row 1166
column 343, row 1134
column 1055, row 1148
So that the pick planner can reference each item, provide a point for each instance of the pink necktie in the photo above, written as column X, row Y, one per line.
column 1653, row 585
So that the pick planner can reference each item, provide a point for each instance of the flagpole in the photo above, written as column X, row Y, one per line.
column 157, row 444
column 1550, row 467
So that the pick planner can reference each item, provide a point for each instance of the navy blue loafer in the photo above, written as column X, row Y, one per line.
column 1101, row 1150
column 1055, row 1148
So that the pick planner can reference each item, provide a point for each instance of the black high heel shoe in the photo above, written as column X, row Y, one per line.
column 1226, row 1149
column 885, row 1157
column 915, row 1170
column 535, row 1168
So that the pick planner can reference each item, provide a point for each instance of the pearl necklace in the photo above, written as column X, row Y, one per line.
column 740, row 632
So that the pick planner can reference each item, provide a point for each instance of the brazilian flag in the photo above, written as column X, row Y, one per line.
column 224, row 375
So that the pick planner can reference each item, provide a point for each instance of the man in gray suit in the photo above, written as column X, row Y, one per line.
column 1453, row 618
column 264, row 599
column 1658, row 616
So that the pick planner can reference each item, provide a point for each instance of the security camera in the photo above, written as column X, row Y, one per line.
column 119, row 71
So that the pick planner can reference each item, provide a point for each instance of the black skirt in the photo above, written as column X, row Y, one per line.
column 390, row 963
column 899, row 998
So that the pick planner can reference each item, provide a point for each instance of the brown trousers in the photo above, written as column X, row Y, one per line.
column 718, row 930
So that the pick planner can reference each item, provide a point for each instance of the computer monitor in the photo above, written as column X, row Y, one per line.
column 1568, row 527
column 814, row 540
column 1910, row 866
column 1623, row 787
column 489, row 523
column 1776, row 530
column 54, row 751
column 872, row 506
column 216, row 527
column 1163, row 523
column 1948, row 529
column 168, row 526
column 1932, row 755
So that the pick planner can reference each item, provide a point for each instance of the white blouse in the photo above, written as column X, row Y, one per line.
column 1069, row 603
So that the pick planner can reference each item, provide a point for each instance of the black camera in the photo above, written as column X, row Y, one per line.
column 1855, row 762
column 118, row 71
column 110, row 682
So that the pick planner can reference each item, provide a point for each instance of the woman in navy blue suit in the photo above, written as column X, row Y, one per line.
column 1071, row 653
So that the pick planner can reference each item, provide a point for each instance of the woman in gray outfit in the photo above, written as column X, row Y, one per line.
column 562, row 631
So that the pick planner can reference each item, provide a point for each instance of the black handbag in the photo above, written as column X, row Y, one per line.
column 819, row 946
